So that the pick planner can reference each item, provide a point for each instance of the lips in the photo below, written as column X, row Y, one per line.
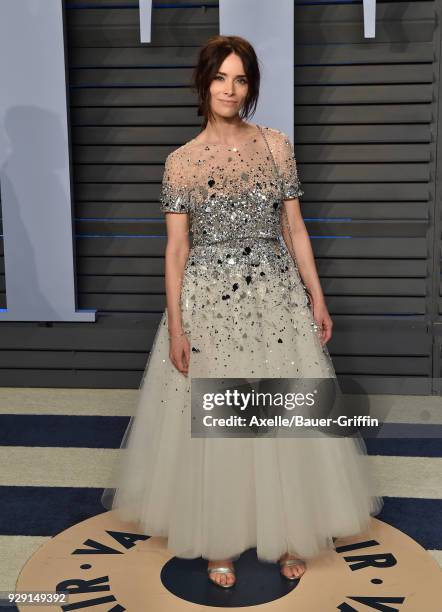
column 228, row 102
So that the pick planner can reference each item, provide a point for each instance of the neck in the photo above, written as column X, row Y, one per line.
column 224, row 131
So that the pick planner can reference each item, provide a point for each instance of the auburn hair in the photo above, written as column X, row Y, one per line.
column 210, row 58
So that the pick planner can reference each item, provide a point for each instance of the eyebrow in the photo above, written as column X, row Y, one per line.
column 224, row 74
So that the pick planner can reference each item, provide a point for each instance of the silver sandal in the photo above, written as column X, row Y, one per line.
column 289, row 563
column 221, row 570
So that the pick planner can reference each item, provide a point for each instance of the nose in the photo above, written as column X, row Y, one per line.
column 229, row 87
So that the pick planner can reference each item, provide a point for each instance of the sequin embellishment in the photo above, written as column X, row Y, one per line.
column 241, row 290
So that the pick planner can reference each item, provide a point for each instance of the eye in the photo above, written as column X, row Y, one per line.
column 242, row 80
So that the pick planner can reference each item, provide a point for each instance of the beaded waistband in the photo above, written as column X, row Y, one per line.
column 234, row 239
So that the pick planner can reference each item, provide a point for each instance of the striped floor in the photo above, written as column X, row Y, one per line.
column 58, row 448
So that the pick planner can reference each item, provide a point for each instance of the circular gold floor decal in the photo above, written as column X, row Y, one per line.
column 108, row 565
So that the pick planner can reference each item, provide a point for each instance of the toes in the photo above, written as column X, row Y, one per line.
column 293, row 571
column 224, row 578
column 300, row 570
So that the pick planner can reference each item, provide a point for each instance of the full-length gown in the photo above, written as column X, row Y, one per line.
column 247, row 314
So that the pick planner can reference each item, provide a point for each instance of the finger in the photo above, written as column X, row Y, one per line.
column 187, row 354
column 176, row 363
column 329, row 331
column 327, row 335
column 185, row 360
column 183, row 366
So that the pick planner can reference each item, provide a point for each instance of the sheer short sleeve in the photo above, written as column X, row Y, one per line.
column 288, row 171
column 174, row 196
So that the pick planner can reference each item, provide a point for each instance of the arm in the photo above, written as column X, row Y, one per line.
column 305, row 259
column 303, row 251
column 176, row 255
column 296, row 236
column 175, row 201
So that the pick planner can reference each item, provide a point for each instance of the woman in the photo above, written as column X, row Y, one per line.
column 237, row 307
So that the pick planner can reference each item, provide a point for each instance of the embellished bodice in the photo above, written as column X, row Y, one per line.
column 232, row 192
column 235, row 197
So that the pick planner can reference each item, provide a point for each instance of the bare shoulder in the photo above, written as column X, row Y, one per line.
column 181, row 154
column 176, row 157
column 175, row 154
column 276, row 136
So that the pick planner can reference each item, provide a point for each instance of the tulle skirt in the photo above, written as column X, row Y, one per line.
column 217, row 497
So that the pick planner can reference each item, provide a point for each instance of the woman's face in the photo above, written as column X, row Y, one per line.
column 229, row 88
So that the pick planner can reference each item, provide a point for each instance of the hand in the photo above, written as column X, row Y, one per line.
column 323, row 320
column 179, row 353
